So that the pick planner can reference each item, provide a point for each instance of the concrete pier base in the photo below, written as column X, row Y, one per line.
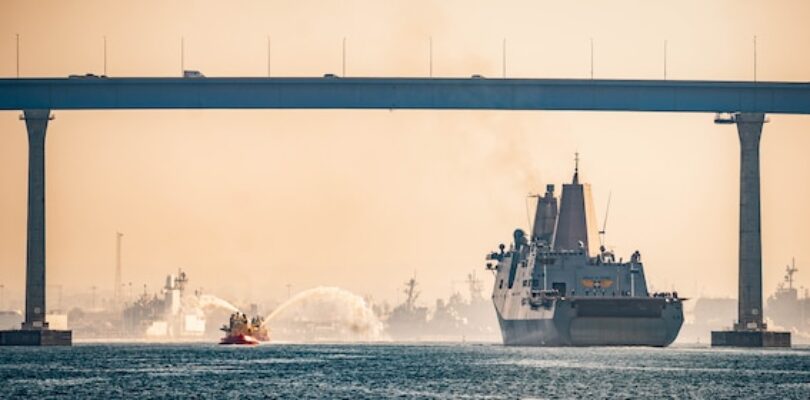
column 750, row 339
column 36, row 337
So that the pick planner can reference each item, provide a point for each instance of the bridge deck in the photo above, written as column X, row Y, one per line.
column 88, row 93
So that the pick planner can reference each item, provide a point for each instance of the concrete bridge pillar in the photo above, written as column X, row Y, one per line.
column 35, row 330
column 749, row 330
column 749, row 128
column 36, row 121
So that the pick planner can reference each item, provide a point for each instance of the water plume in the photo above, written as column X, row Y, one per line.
column 325, row 314
column 207, row 301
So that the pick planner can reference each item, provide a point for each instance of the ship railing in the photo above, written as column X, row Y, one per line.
column 544, row 298
column 546, row 253
column 545, row 292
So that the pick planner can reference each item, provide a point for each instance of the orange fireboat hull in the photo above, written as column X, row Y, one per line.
column 239, row 339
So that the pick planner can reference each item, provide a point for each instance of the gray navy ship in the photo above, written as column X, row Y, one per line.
column 560, row 287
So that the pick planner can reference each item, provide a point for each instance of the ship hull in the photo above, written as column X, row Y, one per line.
column 239, row 339
column 599, row 322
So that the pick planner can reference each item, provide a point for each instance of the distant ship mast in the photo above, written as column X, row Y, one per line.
column 411, row 292
column 474, row 287
column 789, row 271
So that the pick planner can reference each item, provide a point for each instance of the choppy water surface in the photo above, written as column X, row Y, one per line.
column 404, row 371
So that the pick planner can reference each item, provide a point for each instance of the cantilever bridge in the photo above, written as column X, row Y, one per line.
column 747, row 102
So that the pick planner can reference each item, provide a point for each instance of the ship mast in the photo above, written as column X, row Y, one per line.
column 474, row 286
column 410, row 291
column 790, row 270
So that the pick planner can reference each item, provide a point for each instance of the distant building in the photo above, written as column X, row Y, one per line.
column 10, row 320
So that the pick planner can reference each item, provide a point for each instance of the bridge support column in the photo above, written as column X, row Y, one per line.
column 749, row 306
column 36, row 122
column 35, row 327
column 750, row 330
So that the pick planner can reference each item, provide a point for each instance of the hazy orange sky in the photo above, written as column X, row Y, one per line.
column 249, row 201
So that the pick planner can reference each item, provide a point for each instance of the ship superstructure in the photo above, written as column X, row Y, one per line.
column 168, row 317
column 455, row 318
column 559, row 287
column 408, row 320
column 787, row 309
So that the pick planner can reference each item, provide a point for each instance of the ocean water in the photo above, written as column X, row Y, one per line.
column 352, row 371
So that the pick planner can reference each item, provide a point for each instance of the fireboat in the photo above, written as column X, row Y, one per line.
column 241, row 331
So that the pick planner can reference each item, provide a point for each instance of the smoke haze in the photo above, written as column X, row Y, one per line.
column 248, row 202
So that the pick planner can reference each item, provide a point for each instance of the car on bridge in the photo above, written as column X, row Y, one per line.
column 86, row 76
column 190, row 73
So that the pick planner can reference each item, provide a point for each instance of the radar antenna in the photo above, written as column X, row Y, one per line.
column 604, row 223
